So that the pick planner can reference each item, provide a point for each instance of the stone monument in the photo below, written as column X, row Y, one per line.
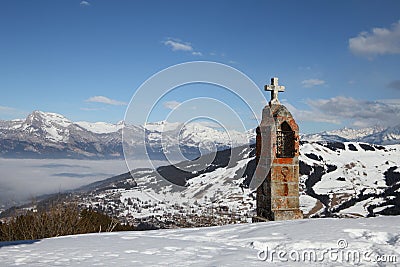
column 277, row 152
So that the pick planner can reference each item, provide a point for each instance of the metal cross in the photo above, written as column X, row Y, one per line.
column 274, row 87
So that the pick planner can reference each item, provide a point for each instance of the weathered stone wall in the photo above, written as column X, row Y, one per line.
column 278, row 195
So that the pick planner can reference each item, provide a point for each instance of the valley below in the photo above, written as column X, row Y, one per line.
column 343, row 173
column 348, row 179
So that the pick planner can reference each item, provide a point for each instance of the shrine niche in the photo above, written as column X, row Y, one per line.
column 285, row 139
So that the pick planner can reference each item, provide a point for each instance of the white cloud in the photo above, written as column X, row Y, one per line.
column 171, row 104
column 84, row 3
column 105, row 100
column 91, row 109
column 312, row 82
column 304, row 68
column 379, row 41
column 311, row 115
column 393, row 102
column 6, row 109
column 11, row 113
column 360, row 113
column 177, row 45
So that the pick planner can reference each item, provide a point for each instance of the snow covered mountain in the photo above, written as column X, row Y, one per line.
column 372, row 135
column 350, row 179
column 52, row 135
column 327, row 242
column 100, row 127
column 388, row 136
column 337, row 178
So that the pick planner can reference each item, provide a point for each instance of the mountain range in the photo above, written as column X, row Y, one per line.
column 373, row 135
column 51, row 135
column 339, row 179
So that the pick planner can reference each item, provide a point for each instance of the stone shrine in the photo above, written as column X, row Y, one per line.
column 277, row 152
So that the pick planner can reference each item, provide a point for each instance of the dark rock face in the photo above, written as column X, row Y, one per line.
column 334, row 146
column 367, row 147
column 352, row 147
column 314, row 157
column 304, row 168
column 313, row 178
column 391, row 176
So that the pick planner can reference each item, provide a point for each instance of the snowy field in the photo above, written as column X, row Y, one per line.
column 328, row 242
column 23, row 179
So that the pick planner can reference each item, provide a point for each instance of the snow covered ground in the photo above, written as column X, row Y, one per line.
column 331, row 242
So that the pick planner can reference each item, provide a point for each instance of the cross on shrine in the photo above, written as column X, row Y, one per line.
column 274, row 87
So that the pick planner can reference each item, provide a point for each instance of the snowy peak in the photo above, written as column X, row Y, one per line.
column 195, row 134
column 100, row 127
column 373, row 135
column 163, row 126
column 52, row 126
column 203, row 134
column 355, row 134
column 389, row 136
column 47, row 118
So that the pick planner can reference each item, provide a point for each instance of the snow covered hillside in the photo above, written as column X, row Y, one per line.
column 336, row 180
column 328, row 242
column 343, row 179
column 351, row 178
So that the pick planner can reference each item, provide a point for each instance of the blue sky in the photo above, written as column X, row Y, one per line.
column 339, row 60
